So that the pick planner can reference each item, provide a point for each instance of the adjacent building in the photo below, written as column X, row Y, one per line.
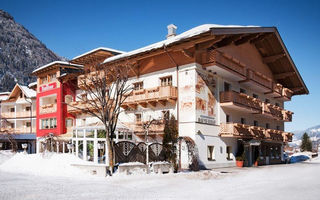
column 226, row 86
column 18, row 118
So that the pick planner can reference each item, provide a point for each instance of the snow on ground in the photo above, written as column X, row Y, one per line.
column 292, row 181
column 5, row 155
column 48, row 164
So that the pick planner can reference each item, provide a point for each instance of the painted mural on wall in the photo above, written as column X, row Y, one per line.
column 206, row 103
column 187, row 96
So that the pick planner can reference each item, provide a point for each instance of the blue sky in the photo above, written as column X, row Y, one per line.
column 70, row 28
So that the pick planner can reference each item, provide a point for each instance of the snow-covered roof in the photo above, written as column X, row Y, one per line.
column 30, row 93
column 100, row 48
column 56, row 62
column 188, row 34
column 32, row 84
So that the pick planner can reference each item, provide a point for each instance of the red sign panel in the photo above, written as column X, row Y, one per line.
column 48, row 87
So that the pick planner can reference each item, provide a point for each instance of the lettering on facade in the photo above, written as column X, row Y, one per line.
column 48, row 87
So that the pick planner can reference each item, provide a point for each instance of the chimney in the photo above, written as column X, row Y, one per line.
column 171, row 31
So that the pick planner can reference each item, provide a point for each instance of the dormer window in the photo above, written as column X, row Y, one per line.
column 166, row 81
column 138, row 85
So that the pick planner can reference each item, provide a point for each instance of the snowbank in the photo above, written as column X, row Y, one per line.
column 5, row 155
column 49, row 164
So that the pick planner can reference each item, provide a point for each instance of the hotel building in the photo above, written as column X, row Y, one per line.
column 226, row 86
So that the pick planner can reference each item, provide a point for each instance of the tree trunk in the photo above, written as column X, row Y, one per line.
column 110, row 151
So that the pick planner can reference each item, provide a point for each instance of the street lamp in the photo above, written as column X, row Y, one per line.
column 24, row 146
column 1, row 145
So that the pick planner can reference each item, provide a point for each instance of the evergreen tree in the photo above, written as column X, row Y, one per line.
column 170, row 139
column 306, row 144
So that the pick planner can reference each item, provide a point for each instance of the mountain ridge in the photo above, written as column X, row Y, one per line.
column 20, row 53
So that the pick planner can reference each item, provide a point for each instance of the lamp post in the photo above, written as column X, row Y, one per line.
column 24, row 146
column 1, row 145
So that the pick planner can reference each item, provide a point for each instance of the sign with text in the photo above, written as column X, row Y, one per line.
column 48, row 87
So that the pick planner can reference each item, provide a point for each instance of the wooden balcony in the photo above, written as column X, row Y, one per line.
column 26, row 114
column 276, row 90
column 76, row 106
column 19, row 130
column 228, row 66
column 8, row 115
column 257, row 81
column 272, row 111
column 253, row 132
column 240, row 101
column 287, row 115
column 286, row 94
column 155, row 128
column 151, row 97
column 88, row 79
column 48, row 108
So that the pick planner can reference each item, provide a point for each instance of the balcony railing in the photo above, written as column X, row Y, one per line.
column 19, row 130
column 26, row 113
column 23, row 114
column 287, row 94
column 77, row 107
column 8, row 115
column 151, row 96
column 272, row 111
column 254, row 132
column 241, row 100
column 259, row 79
column 89, row 78
column 287, row 115
column 48, row 108
column 157, row 127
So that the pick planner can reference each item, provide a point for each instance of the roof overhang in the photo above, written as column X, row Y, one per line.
column 55, row 65
column 98, row 54
column 266, row 39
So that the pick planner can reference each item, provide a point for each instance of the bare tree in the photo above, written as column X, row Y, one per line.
column 105, row 89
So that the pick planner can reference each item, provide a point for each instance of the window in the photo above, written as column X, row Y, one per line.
column 229, row 152
column 43, row 80
column 12, row 125
column 267, row 125
column 278, row 127
column 243, row 91
column 53, row 77
column 277, row 104
column 227, row 86
column 166, row 81
column 138, row 85
column 83, row 122
column 243, row 120
column 68, row 99
column 69, row 122
column 120, row 135
column 21, row 95
column 165, row 114
column 48, row 123
column 129, row 136
column 11, row 109
column 255, row 96
column 227, row 118
column 28, row 124
column 267, row 101
column 255, row 123
column 28, row 108
column 211, row 153
column 138, row 117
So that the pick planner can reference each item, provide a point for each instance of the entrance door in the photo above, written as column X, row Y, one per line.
column 254, row 153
